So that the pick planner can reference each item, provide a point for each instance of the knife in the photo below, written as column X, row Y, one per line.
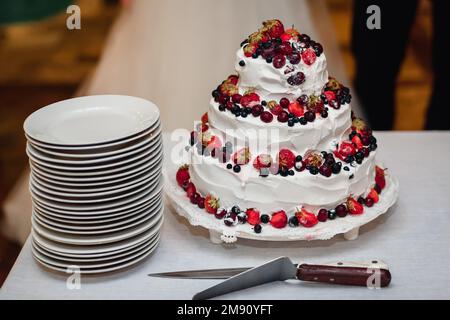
column 375, row 273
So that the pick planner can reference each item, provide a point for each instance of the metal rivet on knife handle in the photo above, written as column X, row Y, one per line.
column 352, row 276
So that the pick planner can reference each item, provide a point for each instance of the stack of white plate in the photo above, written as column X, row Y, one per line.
column 95, row 182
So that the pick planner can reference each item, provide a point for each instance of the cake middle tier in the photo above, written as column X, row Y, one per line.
column 248, row 189
column 322, row 134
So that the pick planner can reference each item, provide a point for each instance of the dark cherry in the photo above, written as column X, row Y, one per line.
column 266, row 117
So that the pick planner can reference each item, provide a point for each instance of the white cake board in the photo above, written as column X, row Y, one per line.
column 219, row 232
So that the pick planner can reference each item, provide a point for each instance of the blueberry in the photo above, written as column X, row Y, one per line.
column 313, row 170
column 242, row 217
column 284, row 172
column 242, row 63
column 237, row 168
column 265, row 218
column 293, row 221
column 235, row 210
column 349, row 159
column 264, row 103
column 331, row 214
column 298, row 158
column 222, row 107
column 257, row 228
column 290, row 123
column 346, row 168
column 324, row 114
column 269, row 60
column 373, row 147
column 351, row 176
column 302, row 121
column 291, row 172
column 255, row 55
column 229, row 166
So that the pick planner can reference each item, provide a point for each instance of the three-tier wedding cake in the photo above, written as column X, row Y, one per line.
column 279, row 146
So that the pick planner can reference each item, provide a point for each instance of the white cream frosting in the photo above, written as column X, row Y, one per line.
column 272, row 83
column 246, row 188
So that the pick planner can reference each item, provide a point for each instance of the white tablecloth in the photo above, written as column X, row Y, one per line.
column 413, row 238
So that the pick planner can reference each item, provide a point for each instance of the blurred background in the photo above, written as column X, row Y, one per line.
column 41, row 62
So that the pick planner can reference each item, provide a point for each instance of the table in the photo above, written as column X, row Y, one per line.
column 413, row 238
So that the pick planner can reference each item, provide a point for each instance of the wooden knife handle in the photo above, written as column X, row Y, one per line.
column 352, row 276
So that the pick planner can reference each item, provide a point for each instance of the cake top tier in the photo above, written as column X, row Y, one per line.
column 279, row 62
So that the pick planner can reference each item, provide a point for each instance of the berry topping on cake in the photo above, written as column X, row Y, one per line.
column 279, row 219
column 253, row 216
column 296, row 79
column 190, row 190
column 313, row 158
column 242, row 156
column 279, row 61
column 306, row 218
column 296, row 109
column 262, row 161
column 182, row 175
column 266, row 116
column 373, row 195
column 286, row 158
column 309, row 56
column 211, row 204
column 380, row 179
column 274, row 28
column 354, row 207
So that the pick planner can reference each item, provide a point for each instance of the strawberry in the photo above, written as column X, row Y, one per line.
column 182, row 175
column 292, row 33
column 306, row 219
column 309, row 56
column 285, row 37
column 313, row 158
column 227, row 88
column 211, row 204
column 338, row 155
column 233, row 79
column 257, row 37
column 190, row 190
column 204, row 127
column 357, row 142
column 248, row 98
column 354, row 207
column 253, row 216
column 279, row 219
column 346, row 148
column 333, row 84
column 274, row 28
column 274, row 107
column 373, row 194
column 330, row 95
column 286, row 158
column 242, row 156
column 296, row 109
column 361, row 127
column 250, row 49
column 214, row 143
column 205, row 117
column 262, row 161
column 315, row 104
column 380, row 179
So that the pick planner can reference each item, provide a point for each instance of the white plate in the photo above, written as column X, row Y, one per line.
column 91, row 120
column 96, row 240
column 44, row 156
column 76, row 259
column 133, row 203
column 102, row 270
column 96, row 251
column 89, row 168
column 98, row 174
column 89, row 208
column 82, row 191
column 127, row 223
column 98, row 150
column 96, row 218
column 96, row 182
column 97, row 224
column 92, row 197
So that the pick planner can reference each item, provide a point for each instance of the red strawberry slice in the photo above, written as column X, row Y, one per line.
column 309, row 56
column 296, row 109
column 214, row 143
column 346, row 149
column 262, row 161
column 330, row 95
column 373, row 194
column 276, row 109
column 313, row 158
column 190, row 190
column 250, row 49
column 357, row 142
column 285, row 37
column 286, row 158
column 306, row 219
column 205, row 118
column 211, row 204
column 253, row 216
column 182, row 175
column 274, row 28
column 233, row 79
column 354, row 207
column 279, row 219
column 242, row 156
column 380, row 179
